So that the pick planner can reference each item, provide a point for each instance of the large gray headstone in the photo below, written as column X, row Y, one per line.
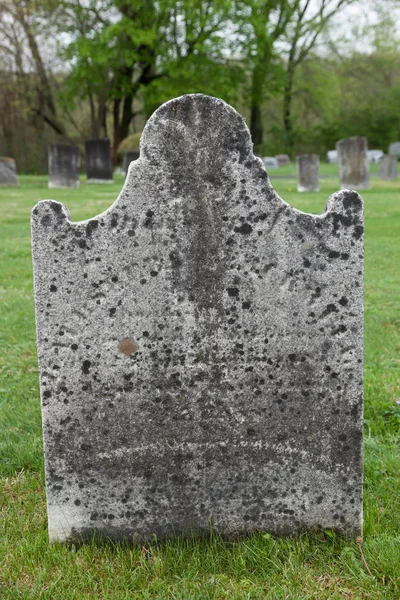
column 395, row 149
column 8, row 171
column 200, row 346
column 64, row 163
column 128, row 158
column 98, row 161
column 388, row 167
column 308, row 173
column 353, row 163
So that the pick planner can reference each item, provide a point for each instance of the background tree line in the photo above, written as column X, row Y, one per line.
column 77, row 69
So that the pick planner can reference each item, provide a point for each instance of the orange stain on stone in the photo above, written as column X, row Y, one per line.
column 128, row 346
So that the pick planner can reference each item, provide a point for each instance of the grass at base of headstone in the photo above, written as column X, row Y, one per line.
column 320, row 565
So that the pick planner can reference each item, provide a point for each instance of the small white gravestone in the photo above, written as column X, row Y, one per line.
column 200, row 346
column 332, row 156
column 374, row 156
column 270, row 162
column 307, row 173
column 353, row 163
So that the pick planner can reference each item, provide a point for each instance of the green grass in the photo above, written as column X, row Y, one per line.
column 319, row 566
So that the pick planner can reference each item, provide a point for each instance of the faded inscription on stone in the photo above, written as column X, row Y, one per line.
column 200, row 346
column 353, row 163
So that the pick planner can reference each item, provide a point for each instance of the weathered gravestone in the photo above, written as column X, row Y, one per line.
column 353, row 163
column 98, row 161
column 64, row 161
column 128, row 158
column 200, row 346
column 282, row 159
column 395, row 149
column 307, row 173
column 270, row 162
column 8, row 171
column 374, row 156
column 388, row 167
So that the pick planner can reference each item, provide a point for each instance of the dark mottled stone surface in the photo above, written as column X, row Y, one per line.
column 64, row 161
column 307, row 173
column 128, row 158
column 353, row 163
column 98, row 161
column 200, row 346
column 8, row 171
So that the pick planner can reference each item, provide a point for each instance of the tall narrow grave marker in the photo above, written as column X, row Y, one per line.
column 200, row 346
column 307, row 173
column 98, row 161
column 353, row 163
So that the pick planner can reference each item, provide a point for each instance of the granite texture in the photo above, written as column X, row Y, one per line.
column 8, row 171
column 98, row 161
column 353, row 163
column 307, row 173
column 200, row 346
column 388, row 167
column 64, row 161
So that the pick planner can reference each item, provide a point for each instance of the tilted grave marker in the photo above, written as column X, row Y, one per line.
column 64, row 161
column 200, row 346
column 307, row 173
column 353, row 163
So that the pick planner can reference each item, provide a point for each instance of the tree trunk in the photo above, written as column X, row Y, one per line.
column 256, row 123
column 127, row 114
column 116, row 131
column 287, row 109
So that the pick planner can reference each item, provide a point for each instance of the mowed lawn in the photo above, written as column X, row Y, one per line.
column 318, row 566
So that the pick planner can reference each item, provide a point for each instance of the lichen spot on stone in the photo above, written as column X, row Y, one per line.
column 128, row 346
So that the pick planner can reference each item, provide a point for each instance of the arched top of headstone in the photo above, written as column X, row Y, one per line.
column 192, row 146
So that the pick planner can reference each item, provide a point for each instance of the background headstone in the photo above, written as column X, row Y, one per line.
column 98, row 161
column 394, row 149
column 374, row 156
column 270, row 162
column 128, row 158
column 332, row 156
column 8, row 171
column 353, row 163
column 282, row 159
column 307, row 173
column 200, row 346
column 388, row 167
column 64, row 161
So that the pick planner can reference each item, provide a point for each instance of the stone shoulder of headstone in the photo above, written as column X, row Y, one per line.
column 200, row 346
column 270, row 162
column 129, row 156
column 282, row 159
column 8, row 171
column 394, row 149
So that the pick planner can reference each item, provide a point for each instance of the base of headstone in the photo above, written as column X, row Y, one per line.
column 8, row 171
column 99, row 181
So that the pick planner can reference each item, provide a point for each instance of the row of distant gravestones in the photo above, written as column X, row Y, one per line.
column 64, row 163
column 351, row 154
